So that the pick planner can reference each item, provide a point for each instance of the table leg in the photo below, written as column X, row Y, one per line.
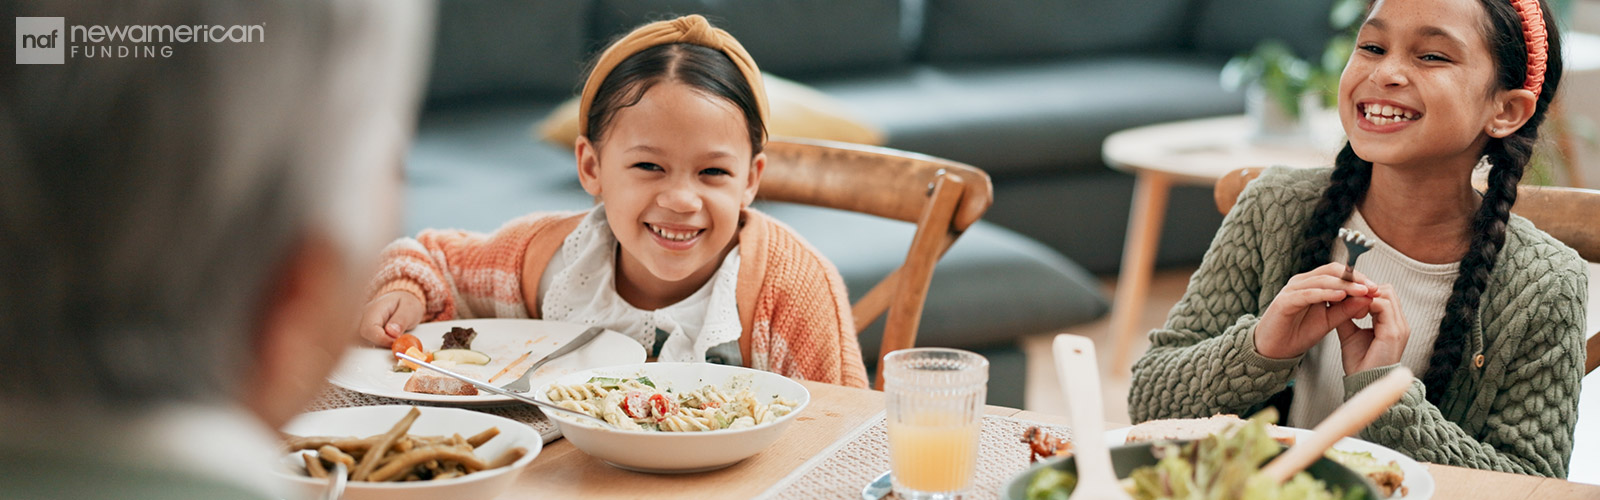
column 1149, row 210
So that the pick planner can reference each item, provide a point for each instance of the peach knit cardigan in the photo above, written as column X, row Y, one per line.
column 792, row 303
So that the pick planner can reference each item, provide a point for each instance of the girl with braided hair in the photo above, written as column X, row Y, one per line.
column 1486, row 308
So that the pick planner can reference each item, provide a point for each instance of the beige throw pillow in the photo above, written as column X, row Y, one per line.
column 797, row 111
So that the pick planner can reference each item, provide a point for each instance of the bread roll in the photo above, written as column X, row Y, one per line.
column 428, row 382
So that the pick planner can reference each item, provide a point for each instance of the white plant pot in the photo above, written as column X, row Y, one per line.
column 1274, row 126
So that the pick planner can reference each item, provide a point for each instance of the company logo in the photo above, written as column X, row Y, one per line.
column 41, row 40
column 48, row 40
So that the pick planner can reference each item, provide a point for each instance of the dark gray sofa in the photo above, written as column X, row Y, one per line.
column 1025, row 89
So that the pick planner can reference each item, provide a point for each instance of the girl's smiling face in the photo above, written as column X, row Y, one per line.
column 1420, row 86
column 675, row 171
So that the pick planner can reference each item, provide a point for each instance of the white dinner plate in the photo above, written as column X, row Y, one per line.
column 370, row 370
column 1418, row 483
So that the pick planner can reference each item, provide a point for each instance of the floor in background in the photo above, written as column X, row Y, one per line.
column 1044, row 393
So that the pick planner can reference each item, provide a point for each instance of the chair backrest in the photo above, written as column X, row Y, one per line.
column 1568, row 214
column 943, row 198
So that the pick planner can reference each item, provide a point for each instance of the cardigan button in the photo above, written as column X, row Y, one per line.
column 1477, row 361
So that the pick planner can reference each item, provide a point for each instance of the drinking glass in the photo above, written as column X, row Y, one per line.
column 935, row 410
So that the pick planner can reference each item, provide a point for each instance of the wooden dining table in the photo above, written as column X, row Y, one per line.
column 563, row 471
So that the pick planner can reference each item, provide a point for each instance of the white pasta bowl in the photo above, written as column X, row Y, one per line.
column 680, row 452
column 369, row 420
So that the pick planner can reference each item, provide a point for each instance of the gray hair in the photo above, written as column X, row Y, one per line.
column 145, row 202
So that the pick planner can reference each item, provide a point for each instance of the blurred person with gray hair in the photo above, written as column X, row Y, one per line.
column 183, row 238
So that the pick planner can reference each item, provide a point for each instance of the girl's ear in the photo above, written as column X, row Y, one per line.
column 1512, row 108
column 753, row 182
column 588, row 165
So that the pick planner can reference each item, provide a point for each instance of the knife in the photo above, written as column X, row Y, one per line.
column 521, row 383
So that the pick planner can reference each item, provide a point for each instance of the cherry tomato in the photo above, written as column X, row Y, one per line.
column 634, row 405
column 410, row 345
column 405, row 342
column 662, row 406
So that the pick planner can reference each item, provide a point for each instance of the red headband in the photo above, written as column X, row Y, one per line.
column 1536, row 38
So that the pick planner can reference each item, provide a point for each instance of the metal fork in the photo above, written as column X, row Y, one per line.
column 1355, row 244
column 521, row 383
column 484, row 386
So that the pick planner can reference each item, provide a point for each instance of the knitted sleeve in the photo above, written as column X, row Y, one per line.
column 803, row 319
column 461, row 274
column 1203, row 361
column 1534, row 381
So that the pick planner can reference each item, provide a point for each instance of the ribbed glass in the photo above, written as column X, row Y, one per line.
column 935, row 399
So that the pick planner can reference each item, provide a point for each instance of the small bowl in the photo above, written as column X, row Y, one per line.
column 1124, row 459
column 679, row 452
column 369, row 420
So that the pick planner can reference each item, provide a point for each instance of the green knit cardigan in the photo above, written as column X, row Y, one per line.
column 1514, row 413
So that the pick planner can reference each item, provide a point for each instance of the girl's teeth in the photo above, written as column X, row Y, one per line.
column 674, row 235
column 1382, row 114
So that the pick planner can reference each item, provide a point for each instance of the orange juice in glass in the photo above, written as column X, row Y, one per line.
column 935, row 411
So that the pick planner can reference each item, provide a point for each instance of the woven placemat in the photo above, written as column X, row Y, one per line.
column 844, row 469
column 339, row 397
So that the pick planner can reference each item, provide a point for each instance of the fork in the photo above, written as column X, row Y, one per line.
column 484, row 386
column 583, row 339
column 1355, row 244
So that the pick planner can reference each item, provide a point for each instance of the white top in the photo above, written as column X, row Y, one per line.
column 1423, row 289
column 579, row 286
column 225, row 444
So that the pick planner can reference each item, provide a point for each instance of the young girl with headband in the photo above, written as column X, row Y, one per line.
column 1487, row 309
column 673, row 124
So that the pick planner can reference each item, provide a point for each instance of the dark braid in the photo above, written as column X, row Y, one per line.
column 1347, row 187
column 1508, row 157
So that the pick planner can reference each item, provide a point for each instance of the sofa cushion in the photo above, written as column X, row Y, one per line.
column 965, row 30
column 494, row 46
column 1042, row 117
column 1085, row 217
column 991, row 287
column 1303, row 24
column 475, row 167
column 787, row 37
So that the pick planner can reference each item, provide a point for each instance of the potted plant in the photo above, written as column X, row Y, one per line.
column 1281, row 89
column 1273, row 79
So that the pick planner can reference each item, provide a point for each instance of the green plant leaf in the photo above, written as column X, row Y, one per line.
column 1346, row 14
column 1337, row 54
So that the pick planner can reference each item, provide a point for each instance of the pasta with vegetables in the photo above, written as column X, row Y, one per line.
column 637, row 404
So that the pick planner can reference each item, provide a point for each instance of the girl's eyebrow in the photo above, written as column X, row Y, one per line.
column 1428, row 31
column 711, row 155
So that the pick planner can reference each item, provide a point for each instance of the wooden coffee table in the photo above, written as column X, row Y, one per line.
column 1192, row 152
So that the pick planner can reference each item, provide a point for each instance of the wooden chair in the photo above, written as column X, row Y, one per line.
column 943, row 198
column 1568, row 214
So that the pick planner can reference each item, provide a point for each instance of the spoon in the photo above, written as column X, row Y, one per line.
column 484, row 386
column 1349, row 418
column 1080, row 380
column 336, row 481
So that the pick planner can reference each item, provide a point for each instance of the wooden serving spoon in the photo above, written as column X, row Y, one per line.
column 1350, row 418
column 1080, row 381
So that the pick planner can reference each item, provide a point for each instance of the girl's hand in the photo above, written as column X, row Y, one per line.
column 1308, row 307
column 389, row 316
column 1381, row 345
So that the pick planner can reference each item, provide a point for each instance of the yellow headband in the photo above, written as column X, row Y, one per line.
column 691, row 29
